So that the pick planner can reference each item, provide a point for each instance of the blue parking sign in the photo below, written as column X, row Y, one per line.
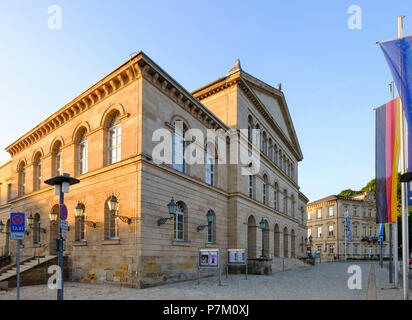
column 17, row 225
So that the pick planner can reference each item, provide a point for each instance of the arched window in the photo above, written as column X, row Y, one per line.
column 251, row 237
column 276, row 197
column 79, row 227
column 264, row 143
column 277, row 241
column 251, row 179
column 179, row 222
column 265, row 235
column 37, row 174
column 292, row 244
column 82, row 154
column 249, row 128
column 270, row 149
column 22, row 178
column 36, row 229
column 258, row 135
column 179, row 146
column 292, row 206
column 210, row 232
column 285, row 243
column 114, row 140
column 111, row 222
column 265, row 189
column 57, row 159
column 210, row 173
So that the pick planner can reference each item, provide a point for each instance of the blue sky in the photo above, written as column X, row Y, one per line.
column 332, row 76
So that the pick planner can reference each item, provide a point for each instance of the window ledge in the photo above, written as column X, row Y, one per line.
column 210, row 244
column 111, row 241
column 36, row 245
column 184, row 243
column 80, row 243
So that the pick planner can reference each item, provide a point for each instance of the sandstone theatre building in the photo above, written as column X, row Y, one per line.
column 103, row 137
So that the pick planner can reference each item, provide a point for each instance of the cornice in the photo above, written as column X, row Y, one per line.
column 117, row 79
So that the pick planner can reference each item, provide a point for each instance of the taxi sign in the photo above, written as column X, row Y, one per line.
column 17, row 225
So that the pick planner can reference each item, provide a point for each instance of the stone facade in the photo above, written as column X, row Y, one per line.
column 132, row 249
column 326, row 223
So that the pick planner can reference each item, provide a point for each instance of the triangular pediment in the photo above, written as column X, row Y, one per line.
column 275, row 105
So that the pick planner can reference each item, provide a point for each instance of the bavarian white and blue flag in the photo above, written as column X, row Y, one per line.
column 380, row 237
column 348, row 227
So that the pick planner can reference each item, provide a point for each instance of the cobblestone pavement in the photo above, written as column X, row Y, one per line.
column 325, row 281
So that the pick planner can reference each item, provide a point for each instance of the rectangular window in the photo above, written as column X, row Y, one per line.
column 330, row 231
column 308, row 215
column 179, row 225
column 330, row 211
column 331, row 249
column 250, row 186
column 9, row 192
column 319, row 232
column 309, row 232
column 319, row 214
column 210, row 232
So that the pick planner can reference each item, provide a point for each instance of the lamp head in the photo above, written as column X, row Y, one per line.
column 172, row 206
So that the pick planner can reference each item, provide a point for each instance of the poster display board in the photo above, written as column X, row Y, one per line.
column 209, row 258
column 236, row 257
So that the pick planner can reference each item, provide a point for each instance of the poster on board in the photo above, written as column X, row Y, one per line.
column 209, row 258
column 237, row 256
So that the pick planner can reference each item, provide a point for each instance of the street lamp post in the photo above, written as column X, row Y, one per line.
column 263, row 227
column 61, row 186
column 310, row 240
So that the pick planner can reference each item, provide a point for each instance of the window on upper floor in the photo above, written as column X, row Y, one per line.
column 309, row 232
column 275, row 154
column 319, row 232
column 285, row 202
column 210, row 175
column 319, row 214
column 330, row 211
column 114, row 139
column 82, row 163
column 179, row 146
column 249, row 128
column 22, row 178
column 57, row 160
column 264, row 143
column 265, row 190
column 330, row 231
column 37, row 172
column 276, row 197
column 250, row 185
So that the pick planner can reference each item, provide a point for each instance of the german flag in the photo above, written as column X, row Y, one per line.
column 387, row 143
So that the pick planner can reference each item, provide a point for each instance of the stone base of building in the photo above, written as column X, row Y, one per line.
column 260, row 266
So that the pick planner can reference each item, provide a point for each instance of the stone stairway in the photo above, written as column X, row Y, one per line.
column 24, row 266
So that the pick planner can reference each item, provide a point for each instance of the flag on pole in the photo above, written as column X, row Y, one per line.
column 398, row 55
column 381, row 232
column 348, row 227
column 387, row 143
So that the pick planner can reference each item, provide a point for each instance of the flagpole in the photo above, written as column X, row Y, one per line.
column 395, row 224
column 405, row 257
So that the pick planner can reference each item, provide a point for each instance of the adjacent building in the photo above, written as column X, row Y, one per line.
column 105, row 137
column 326, row 223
